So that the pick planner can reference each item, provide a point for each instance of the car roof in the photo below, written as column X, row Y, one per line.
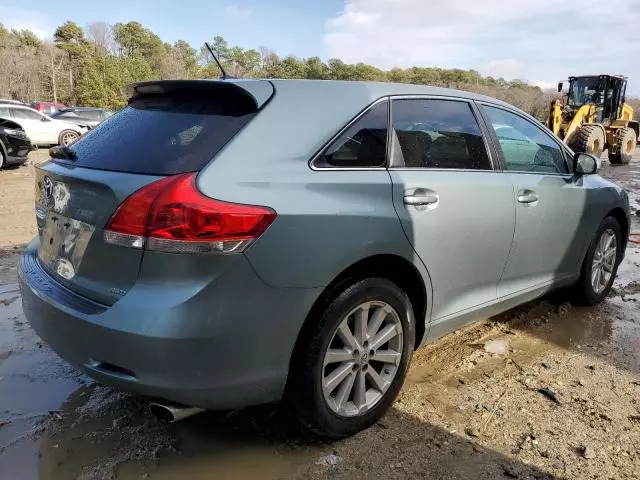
column 22, row 107
column 306, row 114
column 374, row 90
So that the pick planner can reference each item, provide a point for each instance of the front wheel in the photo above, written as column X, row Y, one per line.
column 589, row 139
column 354, row 359
column 601, row 263
column 67, row 137
column 625, row 147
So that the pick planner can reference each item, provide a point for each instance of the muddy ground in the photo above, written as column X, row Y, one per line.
column 464, row 413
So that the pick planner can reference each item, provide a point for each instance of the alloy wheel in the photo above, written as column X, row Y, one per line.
column 604, row 261
column 68, row 138
column 362, row 358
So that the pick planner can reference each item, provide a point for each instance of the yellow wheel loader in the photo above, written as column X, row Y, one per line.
column 595, row 117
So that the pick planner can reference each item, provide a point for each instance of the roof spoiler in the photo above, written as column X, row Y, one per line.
column 255, row 91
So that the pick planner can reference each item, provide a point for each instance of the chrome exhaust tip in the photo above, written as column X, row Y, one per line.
column 171, row 412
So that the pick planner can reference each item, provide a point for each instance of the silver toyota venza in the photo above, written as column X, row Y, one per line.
column 221, row 244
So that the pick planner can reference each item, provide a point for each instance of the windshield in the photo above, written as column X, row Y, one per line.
column 584, row 90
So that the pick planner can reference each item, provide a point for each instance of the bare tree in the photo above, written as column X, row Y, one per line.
column 56, row 59
column 100, row 34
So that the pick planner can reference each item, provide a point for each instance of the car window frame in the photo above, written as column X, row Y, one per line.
column 566, row 151
column 393, row 144
column 349, row 124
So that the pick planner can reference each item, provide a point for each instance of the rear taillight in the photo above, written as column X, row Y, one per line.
column 171, row 215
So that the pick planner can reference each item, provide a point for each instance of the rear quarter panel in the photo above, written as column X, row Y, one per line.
column 327, row 220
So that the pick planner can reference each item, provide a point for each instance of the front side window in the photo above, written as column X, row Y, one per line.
column 584, row 90
column 362, row 145
column 24, row 114
column 435, row 133
column 525, row 146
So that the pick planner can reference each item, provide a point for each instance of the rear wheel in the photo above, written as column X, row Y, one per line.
column 67, row 137
column 601, row 263
column 589, row 139
column 354, row 359
column 2, row 158
column 625, row 147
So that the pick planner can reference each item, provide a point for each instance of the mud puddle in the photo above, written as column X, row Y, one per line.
column 33, row 385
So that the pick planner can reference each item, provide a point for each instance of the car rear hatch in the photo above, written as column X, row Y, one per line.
column 168, row 128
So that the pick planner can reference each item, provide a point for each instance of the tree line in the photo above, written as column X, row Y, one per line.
column 89, row 66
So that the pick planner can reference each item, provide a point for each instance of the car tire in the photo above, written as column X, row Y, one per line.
column 2, row 157
column 67, row 137
column 599, row 267
column 335, row 409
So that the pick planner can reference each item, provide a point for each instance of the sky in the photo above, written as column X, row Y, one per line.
column 543, row 41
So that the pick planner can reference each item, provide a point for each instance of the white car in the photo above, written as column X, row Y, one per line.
column 41, row 129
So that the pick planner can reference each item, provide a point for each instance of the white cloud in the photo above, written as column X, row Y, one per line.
column 547, row 85
column 509, row 68
column 238, row 12
column 539, row 41
column 23, row 19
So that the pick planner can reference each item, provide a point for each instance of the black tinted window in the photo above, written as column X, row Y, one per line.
column 164, row 134
column 439, row 134
column 525, row 146
column 363, row 144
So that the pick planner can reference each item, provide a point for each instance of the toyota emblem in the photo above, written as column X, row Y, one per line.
column 47, row 187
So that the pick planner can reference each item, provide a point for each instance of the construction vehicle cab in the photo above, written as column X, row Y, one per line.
column 595, row 117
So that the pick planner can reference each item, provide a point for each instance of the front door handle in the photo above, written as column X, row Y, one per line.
column 421, row 197
column 527, row 196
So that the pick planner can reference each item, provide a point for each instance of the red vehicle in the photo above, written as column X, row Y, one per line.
column 47, row 107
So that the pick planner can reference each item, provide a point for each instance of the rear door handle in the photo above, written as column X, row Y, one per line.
column 421, row 197
column 527, row 196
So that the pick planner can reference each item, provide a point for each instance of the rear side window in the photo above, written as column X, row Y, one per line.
column 164, row 134
column 439, row 134
column 4, row 112
column 362, row 145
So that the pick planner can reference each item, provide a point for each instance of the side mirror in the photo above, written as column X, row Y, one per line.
column 559, row 87
column 585, row 164
column 44, row 119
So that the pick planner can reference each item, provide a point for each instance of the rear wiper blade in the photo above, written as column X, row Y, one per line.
column 62, row 152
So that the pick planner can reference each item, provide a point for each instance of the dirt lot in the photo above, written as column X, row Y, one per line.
column 562, row 402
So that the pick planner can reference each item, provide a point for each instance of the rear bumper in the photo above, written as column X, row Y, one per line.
column 226, row 346
column 17, row 150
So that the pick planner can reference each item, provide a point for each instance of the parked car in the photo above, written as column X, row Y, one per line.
column 227, row 243
column 41, row 129
column 14, row 143
column 83, row 116
column 47, row 107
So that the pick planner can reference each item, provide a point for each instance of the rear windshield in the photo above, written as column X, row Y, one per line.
column 164, row 134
